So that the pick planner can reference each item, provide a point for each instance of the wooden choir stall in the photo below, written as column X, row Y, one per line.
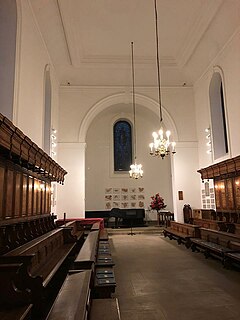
column 32, row 249
column 48, row 270
column 214, row 232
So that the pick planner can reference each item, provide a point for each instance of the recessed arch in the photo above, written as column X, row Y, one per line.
column 115, row 99
column 218, row 114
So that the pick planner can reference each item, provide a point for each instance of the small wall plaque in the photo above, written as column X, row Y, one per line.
column 180, row 195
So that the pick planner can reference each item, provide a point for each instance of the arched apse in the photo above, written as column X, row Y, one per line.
column 146, row 102
column 8, row 35
column 47, row 111
column 218, row 114
column 99, row 161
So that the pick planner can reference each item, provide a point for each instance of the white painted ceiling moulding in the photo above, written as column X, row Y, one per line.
column 165, row 61
column 75, row 48
column 208, row 12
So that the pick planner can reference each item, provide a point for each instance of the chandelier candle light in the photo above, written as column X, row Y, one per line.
column 161, row 145
column 135, row 169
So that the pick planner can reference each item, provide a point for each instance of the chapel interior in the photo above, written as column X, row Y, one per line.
column 89, row 91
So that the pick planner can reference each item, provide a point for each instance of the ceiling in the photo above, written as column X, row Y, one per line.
column 89, row 40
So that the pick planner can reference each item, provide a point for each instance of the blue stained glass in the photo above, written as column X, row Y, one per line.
column 122, row 133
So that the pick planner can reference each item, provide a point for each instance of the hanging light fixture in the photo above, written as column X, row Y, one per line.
column 161, row 145
column 136, row 171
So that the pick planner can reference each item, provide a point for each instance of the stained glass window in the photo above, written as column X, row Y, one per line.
column 122, row 136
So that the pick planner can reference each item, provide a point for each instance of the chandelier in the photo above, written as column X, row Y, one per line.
column 135, row 171
column 161, row 145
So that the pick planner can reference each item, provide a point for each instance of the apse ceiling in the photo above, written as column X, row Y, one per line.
column 89, row 40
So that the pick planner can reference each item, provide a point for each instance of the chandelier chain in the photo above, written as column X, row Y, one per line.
column 133, row 102
column 158, row 63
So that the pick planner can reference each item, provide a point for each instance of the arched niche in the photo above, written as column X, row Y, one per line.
column 218, row 115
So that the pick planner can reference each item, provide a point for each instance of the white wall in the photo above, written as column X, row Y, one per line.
column 228, row 60
column 31, row 60
column 71, row 194
column 186, row 178
column 99, row 158
column 76, row 103
column 8, row 31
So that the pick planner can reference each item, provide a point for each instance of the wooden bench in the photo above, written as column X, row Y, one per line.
column 86, row 258
column 182, row 232
column 216, row 243
column 77, row 231
column 103, row 235
column 233, row 255
column 38, row 262
column 16, row 232
column 73, row 300
column 95, row 226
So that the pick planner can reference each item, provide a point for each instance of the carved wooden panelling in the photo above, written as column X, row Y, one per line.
column 1, row 191
column 229, row 194
column 24, row 194
column 43, row 197
column 18, row 194
column 237, row 192
column 9, row 194
column 30, row 196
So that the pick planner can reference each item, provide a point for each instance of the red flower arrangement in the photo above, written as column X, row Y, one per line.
column 157, row 202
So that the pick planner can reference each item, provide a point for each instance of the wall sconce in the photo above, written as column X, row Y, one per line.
column 53, row 142
column 209, row 140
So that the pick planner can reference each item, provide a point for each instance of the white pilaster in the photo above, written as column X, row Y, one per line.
column 71, row 196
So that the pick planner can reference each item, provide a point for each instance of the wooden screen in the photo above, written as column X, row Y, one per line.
column 22, row 193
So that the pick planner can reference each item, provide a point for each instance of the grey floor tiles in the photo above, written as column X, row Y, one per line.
column 159, row 280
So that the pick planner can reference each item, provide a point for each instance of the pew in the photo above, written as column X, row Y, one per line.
column 103, row 235
column 91, row 279
column 38, row 261
column 232, row 256
column 96, row 256
column 16, row 232
column 216, row 243
column 86, row 258
column 73, row 300
column 182, row 232
column 95, row 226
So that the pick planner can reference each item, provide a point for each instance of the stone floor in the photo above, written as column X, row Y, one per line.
column 160, row 280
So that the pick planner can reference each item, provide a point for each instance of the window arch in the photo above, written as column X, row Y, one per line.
column 218, row 116
column 122, row 141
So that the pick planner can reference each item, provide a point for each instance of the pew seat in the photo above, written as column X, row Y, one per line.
column 87, row 256
column 182, row 232
column 73, row 300
column 217, row 243
column 37, row 262
column 77, row 230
